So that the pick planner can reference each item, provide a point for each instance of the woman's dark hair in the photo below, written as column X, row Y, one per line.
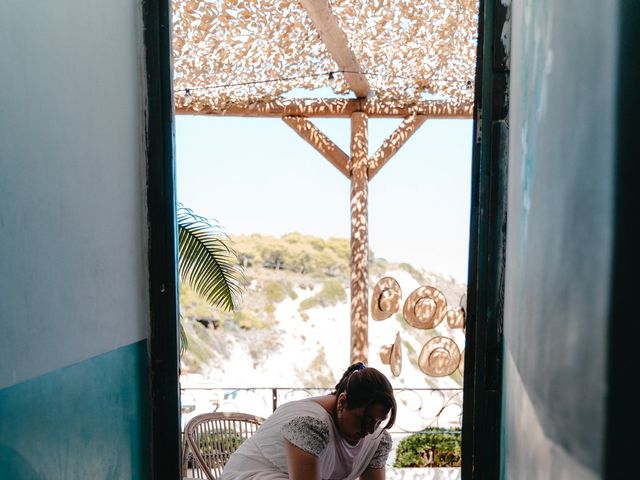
column 365, row 386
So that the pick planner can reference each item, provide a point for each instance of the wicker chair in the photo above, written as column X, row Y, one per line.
column 213, row 437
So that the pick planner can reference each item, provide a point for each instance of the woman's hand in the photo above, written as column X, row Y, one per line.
column 373, row 474
column 303, row 465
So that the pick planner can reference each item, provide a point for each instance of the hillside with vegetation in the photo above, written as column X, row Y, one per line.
column 292, row 327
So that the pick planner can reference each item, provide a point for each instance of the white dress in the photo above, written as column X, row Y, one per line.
column 307, row 425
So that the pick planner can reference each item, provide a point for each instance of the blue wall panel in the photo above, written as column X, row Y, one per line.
column 88, row 420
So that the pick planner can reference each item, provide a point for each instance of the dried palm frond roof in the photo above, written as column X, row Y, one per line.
column 393, row 55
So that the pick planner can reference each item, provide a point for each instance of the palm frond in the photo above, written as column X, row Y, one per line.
column 184, row 340
column 206, row 263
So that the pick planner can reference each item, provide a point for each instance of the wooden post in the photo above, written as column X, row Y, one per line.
column 359, row 238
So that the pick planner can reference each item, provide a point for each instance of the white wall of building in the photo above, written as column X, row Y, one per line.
column 73, row 259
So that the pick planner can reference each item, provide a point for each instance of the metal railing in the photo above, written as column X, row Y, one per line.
column 418, row 408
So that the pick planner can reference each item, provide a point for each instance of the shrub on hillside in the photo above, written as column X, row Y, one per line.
column 274, row 292
column 294, row 252
column 439, row 447
column 332, row 292
column 247, row 320
column 414, row 272
column 308, row 303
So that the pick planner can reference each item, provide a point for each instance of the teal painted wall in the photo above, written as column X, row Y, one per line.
column 85, row 421
column 561, row 217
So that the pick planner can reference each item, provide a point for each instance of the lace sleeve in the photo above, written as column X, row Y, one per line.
column 380, row 457
column 307, row 433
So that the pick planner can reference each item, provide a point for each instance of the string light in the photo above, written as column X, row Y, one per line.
column 330, row 75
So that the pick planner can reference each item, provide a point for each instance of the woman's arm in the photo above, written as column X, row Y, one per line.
column 373, row 474
column 303, row 465
column 377, row 466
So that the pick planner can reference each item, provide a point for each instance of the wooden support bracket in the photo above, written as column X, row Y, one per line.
column 394, row 142
column 318, row 140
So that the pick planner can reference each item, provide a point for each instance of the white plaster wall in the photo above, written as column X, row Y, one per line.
column 73, row 273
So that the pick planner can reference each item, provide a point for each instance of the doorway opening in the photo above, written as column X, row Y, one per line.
column 188, row 100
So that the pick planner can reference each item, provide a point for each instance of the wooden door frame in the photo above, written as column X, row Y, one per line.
column 481, row 419
column 622, row 412
column 162, row 243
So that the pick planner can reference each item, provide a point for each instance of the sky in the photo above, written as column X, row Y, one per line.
column 258, row 176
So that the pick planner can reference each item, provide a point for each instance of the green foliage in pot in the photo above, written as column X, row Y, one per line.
column 225, row 440
column 438, row 447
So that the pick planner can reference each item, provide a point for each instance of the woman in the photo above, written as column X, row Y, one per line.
column 336, row 436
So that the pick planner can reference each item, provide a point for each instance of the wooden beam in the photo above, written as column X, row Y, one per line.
column 359, row 239
column 334, row 38
column 318, row 140
column 334, row 108
column 394, row 142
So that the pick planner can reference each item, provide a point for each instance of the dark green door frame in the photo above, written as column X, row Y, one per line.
column 622, row 412
column 162, row 242
column 483, row 344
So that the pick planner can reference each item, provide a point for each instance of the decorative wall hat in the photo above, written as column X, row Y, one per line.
column 461, row 364
column 425, row 307
column 455, row 317
column 463, row 301
column 385, row 300
column 439, row 357
column 392, row 355
column 463, row 305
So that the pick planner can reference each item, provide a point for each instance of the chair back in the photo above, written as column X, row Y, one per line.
column 213, row 437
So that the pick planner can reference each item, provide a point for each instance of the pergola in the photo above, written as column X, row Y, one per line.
column 409, row 59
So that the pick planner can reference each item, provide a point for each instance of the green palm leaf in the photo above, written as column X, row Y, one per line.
column 184, row 340
column 206, row 263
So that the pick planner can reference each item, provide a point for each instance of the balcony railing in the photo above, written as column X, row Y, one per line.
column 418, row 408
